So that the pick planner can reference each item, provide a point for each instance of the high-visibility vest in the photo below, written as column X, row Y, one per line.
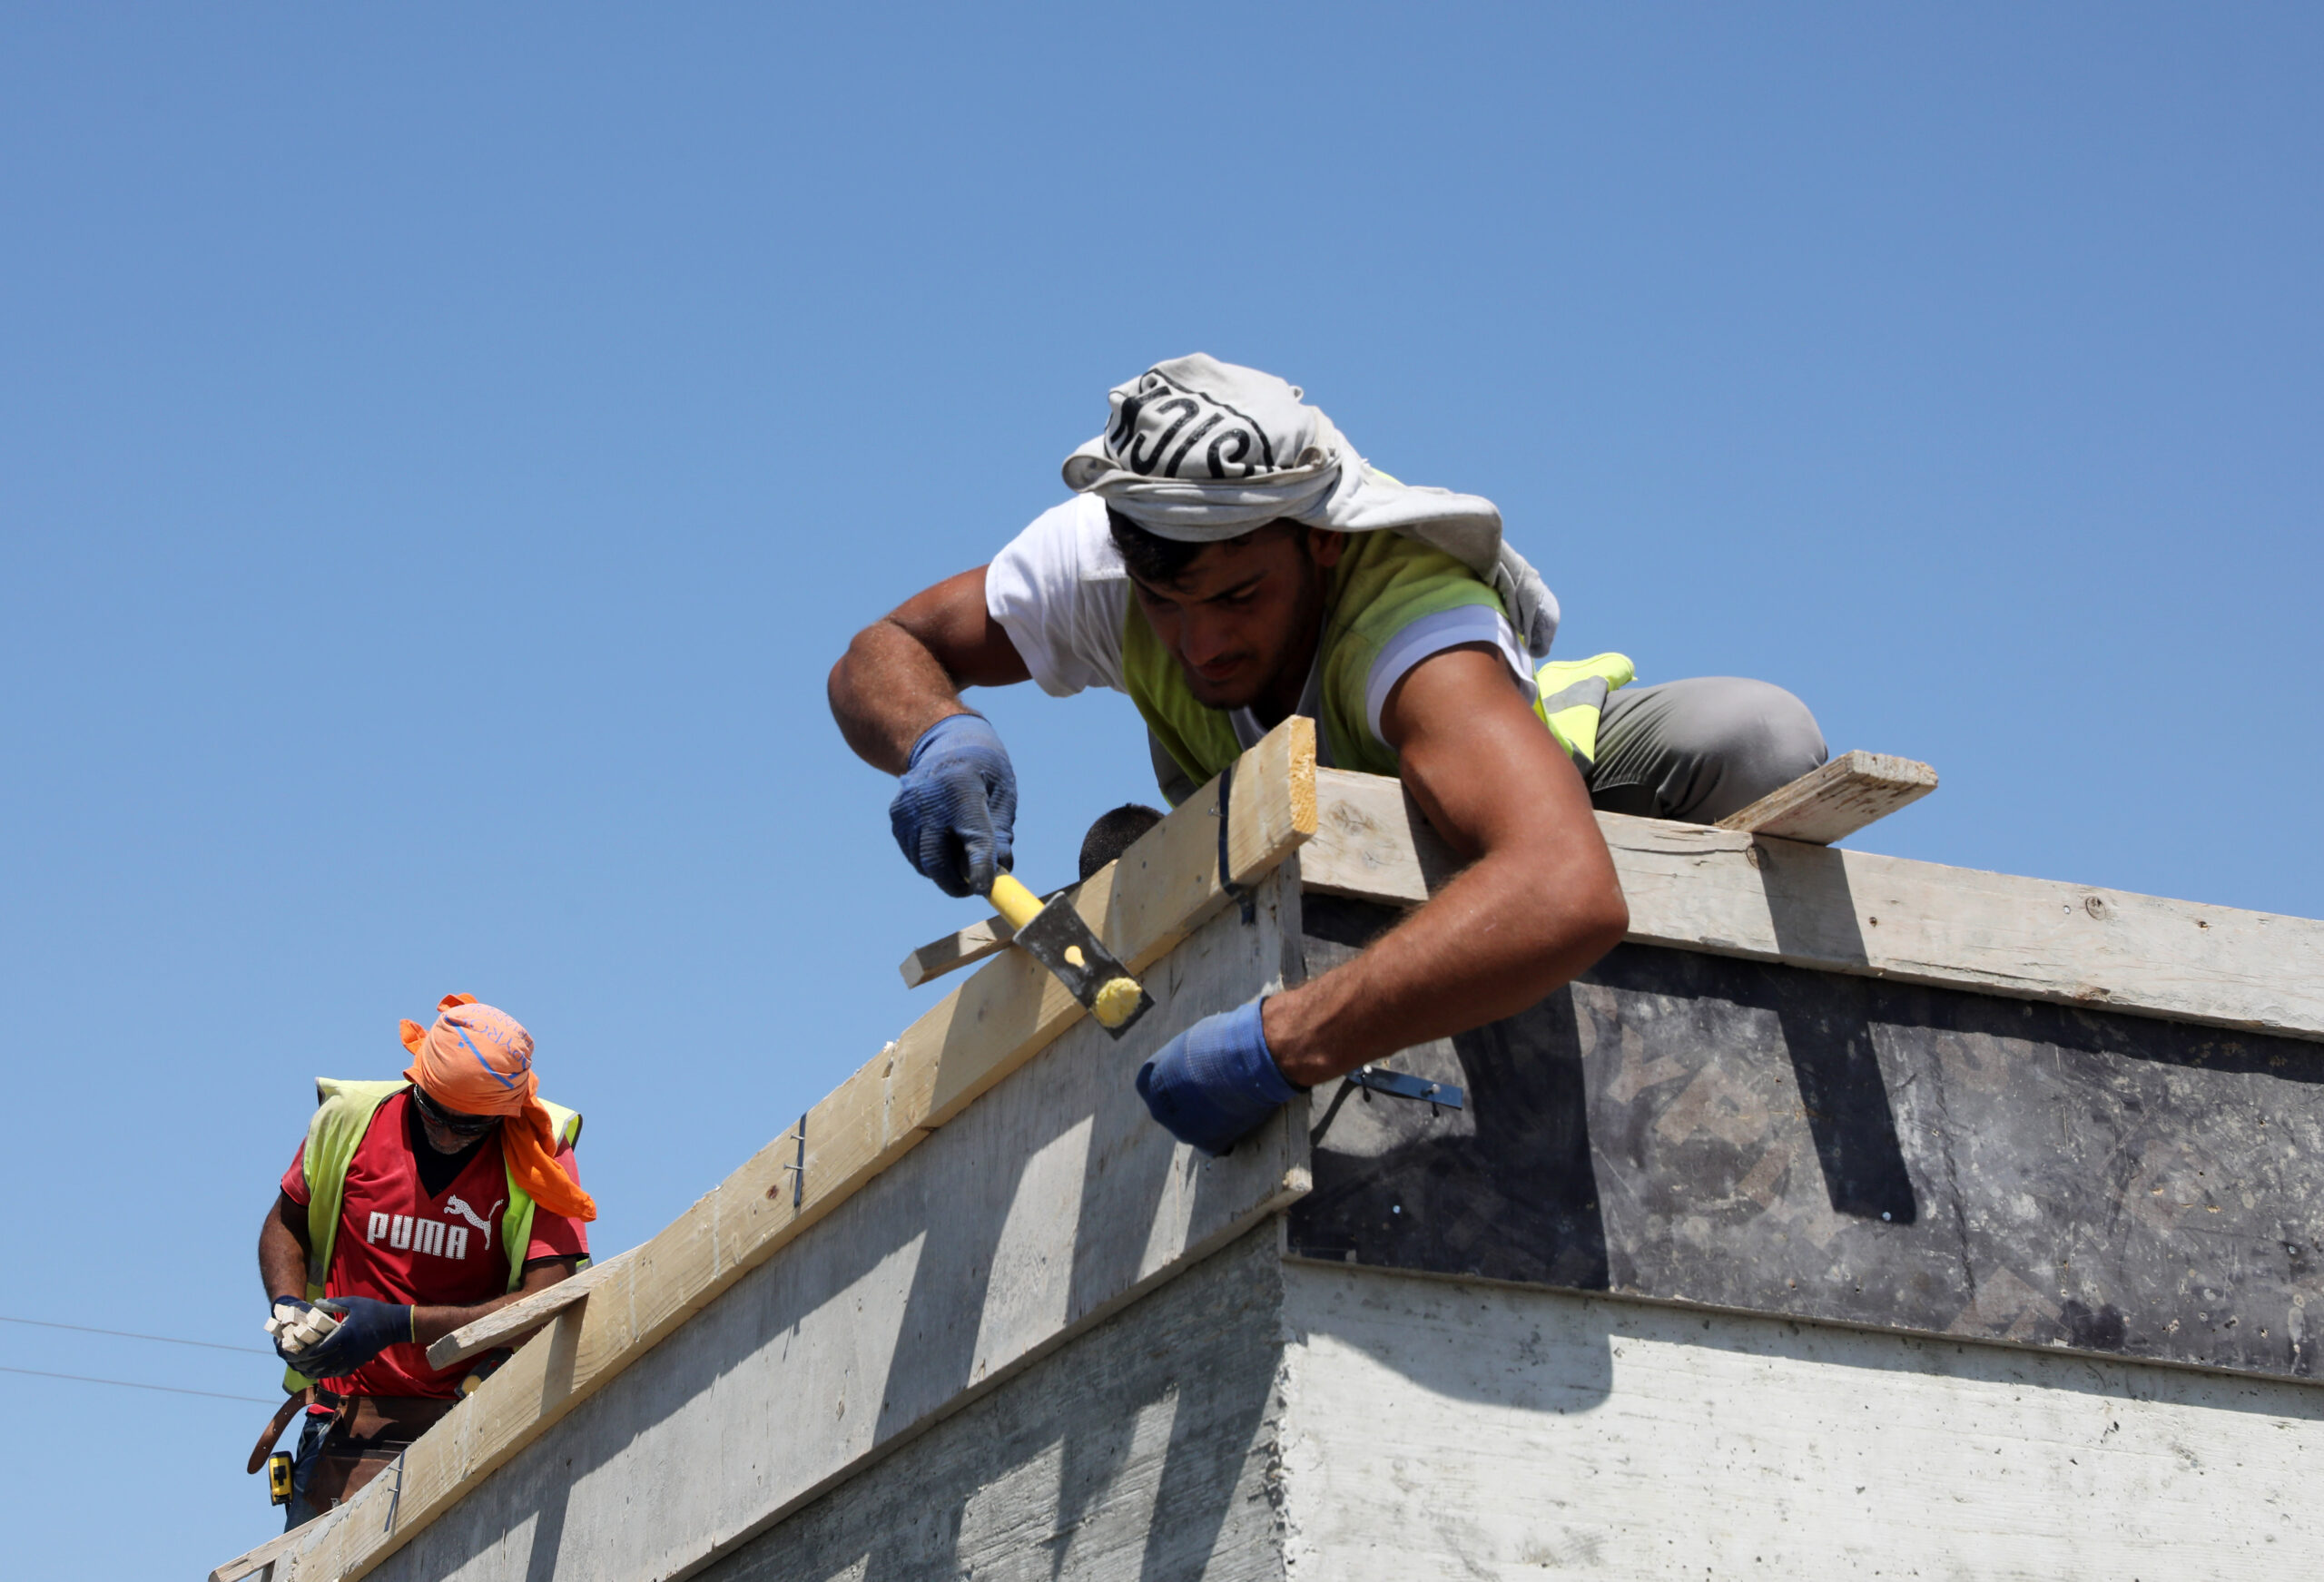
column 1571, row 698
column 343, row 1112
column 1382, row 583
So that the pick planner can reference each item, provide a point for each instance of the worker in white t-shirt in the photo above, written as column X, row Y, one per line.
column 1229, row 560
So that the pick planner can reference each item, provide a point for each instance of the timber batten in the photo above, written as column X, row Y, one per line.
column 991, row 1245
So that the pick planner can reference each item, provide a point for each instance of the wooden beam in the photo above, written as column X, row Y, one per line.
column 1732, row 894
column 519, row 1318
column 1834, row 802
column 1142, row 905
column 971, row 944
column 255, row 1563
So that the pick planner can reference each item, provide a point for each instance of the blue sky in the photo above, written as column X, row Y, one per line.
column 442, row 452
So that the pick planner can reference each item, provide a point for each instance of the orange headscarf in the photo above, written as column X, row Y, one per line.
column 480, row 1061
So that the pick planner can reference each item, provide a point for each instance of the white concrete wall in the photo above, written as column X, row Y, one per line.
column 1437, row 1429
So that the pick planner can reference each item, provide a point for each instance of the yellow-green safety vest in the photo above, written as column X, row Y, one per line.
column 343, row 1112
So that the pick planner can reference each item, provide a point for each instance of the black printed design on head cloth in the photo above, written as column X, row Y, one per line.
column 1160, row 423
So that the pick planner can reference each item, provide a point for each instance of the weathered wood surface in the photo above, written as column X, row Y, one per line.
column 1033, row 1215
column 1438, row 1431
column 1693, row 1128
column 1834, row 802
column 1272, row 814
column 512, row 1323
column 954, row 952
column 1143, row 907
column 1767, row 899
column 1143, row 1451
column 253, row 1562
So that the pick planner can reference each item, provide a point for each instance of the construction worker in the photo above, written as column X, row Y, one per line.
column 1227, row 560
column 401, row 1215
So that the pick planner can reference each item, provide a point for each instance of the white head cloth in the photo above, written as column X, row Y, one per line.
column 1200, row 450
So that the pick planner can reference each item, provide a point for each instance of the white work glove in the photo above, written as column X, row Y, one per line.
column 297, row 1326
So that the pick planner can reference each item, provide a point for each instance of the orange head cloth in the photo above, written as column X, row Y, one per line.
column 480, row 1061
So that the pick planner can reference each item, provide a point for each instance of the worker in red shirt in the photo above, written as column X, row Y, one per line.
column 411, row 1208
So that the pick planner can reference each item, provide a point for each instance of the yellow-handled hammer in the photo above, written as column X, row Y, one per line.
column 1056, row 937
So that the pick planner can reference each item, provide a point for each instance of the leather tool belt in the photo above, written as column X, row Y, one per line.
column 367, row 1433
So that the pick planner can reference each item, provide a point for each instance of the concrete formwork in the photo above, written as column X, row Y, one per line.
column 1731, row 1265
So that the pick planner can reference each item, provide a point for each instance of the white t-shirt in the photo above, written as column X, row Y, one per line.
column 1061, row 592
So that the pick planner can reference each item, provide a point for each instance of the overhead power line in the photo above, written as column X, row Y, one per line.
column 132, row 1384
column 132, row 1335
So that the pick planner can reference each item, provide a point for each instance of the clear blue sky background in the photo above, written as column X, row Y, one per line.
column 440, row 454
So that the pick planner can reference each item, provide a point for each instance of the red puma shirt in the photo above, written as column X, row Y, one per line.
column 397, row 1242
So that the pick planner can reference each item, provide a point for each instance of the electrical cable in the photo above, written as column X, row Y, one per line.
column 132, row 1384
column 132, row 1335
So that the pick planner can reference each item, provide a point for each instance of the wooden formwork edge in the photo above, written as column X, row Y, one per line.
column 1728, row 892
column 1143, row 905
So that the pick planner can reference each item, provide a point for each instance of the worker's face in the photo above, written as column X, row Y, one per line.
column 448, row 1130
column 1243, row 618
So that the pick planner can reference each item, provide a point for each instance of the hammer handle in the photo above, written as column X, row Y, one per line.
column 1013, row 901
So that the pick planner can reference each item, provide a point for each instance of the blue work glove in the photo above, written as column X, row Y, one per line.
column 1215, row 1081
column 955, row 812
column 366, row 1329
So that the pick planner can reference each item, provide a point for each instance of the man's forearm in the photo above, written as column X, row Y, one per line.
column 430, row 1324
column 1496, row 940
column 1540, row 904
column 886, row 691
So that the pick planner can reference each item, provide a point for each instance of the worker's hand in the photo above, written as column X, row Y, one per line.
column 1214, row 1082
column 278, row 1331
column 955, row 812
column 366, row 1329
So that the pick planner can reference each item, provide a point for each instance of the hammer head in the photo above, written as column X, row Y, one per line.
column 1060, row 940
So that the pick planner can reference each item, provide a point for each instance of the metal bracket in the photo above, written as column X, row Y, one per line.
column 799, row 1170
column 1397, row 1084
column 1243, row 898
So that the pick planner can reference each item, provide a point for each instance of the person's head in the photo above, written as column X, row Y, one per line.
column 468, row 1072
column 1241, row 615
column 472, row 1073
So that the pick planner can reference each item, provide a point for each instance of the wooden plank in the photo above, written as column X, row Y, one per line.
column 1143, row 905
column 1767, row 899
column 1834, row 802
column 518, row 1318
column 1373, row 842
column 971, row 944
column 255, row 1562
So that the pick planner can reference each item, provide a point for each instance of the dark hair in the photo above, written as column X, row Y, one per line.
column 1113, row 833
column 1152, row 558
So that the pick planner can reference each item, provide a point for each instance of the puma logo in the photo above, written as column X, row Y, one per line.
column 459, row 1206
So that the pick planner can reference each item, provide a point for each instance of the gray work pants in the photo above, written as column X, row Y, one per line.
column 1699, row 749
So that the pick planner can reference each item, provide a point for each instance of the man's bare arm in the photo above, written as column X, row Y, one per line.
column 430, row 1324
column 282, row 1249
column 1537, row 904
column 904, row 672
